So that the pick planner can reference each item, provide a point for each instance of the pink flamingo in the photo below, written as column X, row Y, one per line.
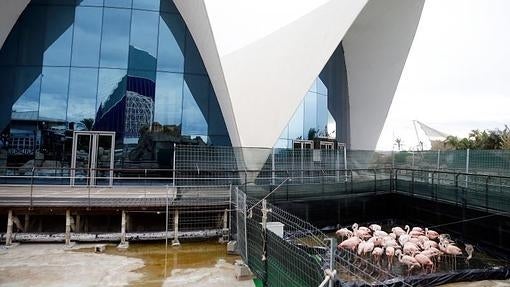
column 398, row 231
column 343, row 233
column 390, row 252
column 377, row 254
column 424, row 261
column 431, row 234
column 350, row 244
column 410, row 261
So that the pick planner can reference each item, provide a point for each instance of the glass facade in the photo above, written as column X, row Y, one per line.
column 128, row 66
column 312, row 118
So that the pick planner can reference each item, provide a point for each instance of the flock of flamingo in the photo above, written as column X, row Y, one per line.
column 416, row 248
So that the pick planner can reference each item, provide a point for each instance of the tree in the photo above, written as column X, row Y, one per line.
column 88, row 123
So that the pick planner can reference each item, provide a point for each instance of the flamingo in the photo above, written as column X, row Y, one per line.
column 380, row 233
column 417, row 229
column 377, row 254
column 390, row 252
column 375, row 227
column 424, row 261
column 398, row 231
column 410, row 261
column 343, row 233
column 410, row 248
column 431, row 234
column 469, row 250
column 451, row 250
column 377, row 240
column 368, row 247
column 361, row 232
column 350, row 244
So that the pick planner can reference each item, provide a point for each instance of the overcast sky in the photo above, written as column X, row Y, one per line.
column 457, row 75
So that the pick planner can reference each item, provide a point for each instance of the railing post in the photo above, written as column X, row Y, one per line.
column 432, row 190
column 173, row 165
column 412, row 182
column 457, row 189
column 32, row 186
column 487, row 193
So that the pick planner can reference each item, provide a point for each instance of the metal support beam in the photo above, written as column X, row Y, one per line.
column 68, row 228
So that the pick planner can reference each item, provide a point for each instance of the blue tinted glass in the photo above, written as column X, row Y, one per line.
column 115, row 38
column 118, row 3
column 219, row 140
column 7, row 80
column 82, row 94
column 313, row 87
column 216, row 122
column 31, row 37
column 195, row 105
column 171, row 43
column 27, row 90
column 331, row 125
column 192, row 62
column 296, row 123
column 89, row 2
column 168, row 106
column 167, row 6
column 322, row 112
column 282, row 143
column 285, row 133
column 53, row 103
column 147, row 4
column 144, row 40
column 59, row 35
column 87, row 36
column 321, row 87
column 111, row 87
column 9, row 50
column 310, row 120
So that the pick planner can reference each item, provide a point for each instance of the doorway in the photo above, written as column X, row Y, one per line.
column 92, row 158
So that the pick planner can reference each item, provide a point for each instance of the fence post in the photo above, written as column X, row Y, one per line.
column 412, row 163
column 438, row 158
column 173, row 164
column 467, row 166
column 487, row 193
column 273, row 174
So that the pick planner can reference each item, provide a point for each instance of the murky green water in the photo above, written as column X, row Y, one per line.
column 159, row 261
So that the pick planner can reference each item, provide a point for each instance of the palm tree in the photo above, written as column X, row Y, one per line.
column 88, row 123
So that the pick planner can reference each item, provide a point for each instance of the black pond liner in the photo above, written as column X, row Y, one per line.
column 435, row 279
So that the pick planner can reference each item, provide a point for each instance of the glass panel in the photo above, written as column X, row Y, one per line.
column 27, row 89
column 87, row 36
column 331, row 125
column 7, row 96
column 31, row 38
column 321, row 87
column 168, row 107
column 83, row 153
column 313, row 87
column 139, row 105
column 59, row 35
column 171, row 43
column 195, row 105
column 144, row 39
column 115, row 38
column 82, row 98
column 322, row 114
column 216, row 122
column 193, row 62
column 9, row 51
column 147, row 4
column 310, row 120
column 296, row 123
column 53, row 105
column 167, row 6
column 111, row 92
column 104, row 150
column 118, row 3
column 89, row 2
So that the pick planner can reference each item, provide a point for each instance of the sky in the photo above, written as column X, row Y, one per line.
column 457, row 75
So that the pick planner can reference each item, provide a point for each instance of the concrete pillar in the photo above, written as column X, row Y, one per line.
column 176, row 242
column 26, row 222
column 123, row 228
column 225, row 231
column 8, row 234
column 68, row 228
column 78, row 222
column 123, row 242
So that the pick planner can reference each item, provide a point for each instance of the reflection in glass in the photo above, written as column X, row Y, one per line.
column 110, row 81
column 28, row 85
column 58, row 36
column 296, row 123
column 195, row 105
column 193, row 62
column 168, row 107
column 322, row 113
column 310, row 116
column 321, row 87
column 171, row 43
column 144, row 38
column 87, row 36
column 53, row 103
column 115, row 38
column 147, row 4
column 31, row 36
column 82, row 97
column 118, row 3
column 89, row 2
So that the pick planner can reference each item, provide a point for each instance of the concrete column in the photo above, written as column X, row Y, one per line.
column 8, row 234
column 27, row 222
column 78, row 222
column 68, row 228
column 176, row 242
column 123, row 228
column 225, row 227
